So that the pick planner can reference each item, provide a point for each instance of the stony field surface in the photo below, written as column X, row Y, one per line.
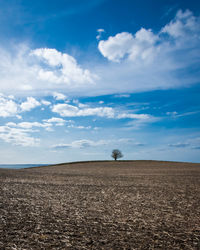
column 101, row 205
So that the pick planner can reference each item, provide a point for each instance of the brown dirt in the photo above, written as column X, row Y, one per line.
column 101, row 205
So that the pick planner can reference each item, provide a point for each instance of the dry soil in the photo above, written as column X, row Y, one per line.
column 101, row 205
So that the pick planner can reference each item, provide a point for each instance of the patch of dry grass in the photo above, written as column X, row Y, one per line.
column 101, row 205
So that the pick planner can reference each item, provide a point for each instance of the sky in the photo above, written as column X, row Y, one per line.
column 79, row 78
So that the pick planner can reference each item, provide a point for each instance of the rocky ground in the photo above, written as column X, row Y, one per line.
column 101, row 205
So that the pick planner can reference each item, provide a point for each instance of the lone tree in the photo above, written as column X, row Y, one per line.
column 116, row 154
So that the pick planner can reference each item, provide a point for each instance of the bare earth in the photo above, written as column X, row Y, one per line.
column 101, row 205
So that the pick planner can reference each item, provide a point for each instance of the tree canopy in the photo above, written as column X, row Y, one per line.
column 116, row 154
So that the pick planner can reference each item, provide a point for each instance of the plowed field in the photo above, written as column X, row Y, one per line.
column 101, row 205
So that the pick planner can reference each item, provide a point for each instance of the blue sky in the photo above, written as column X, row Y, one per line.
column 80, row 78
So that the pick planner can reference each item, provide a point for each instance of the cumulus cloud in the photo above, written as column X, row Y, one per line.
column 145, row 44
column 28, row 126
column 183, row 24
column 30, row 103
column 138, row 46
column 149, row 60
column 141, row 61
column 17, row 136
column 55, row 120
column 67, row 110
column 46, row 103
column 7, row 106
column 116, row 47
column 41, row 71
column 59, row 96
column 20, row 133
column 64, row 68
column 46, row 124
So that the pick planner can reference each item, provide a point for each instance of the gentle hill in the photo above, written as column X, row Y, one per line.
column 137, row 167
column 101, row 205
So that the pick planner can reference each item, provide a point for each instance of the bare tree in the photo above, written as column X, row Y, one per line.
column 116, row 154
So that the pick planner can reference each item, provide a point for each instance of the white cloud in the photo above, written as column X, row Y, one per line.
column 179, row 145
column 80, row 144
column 150, row 60
column 56, row 120
column 20, row 133
column 42, row 71
column 90, row 143
column 192, row 143
column 183, row 24
column 59, row 96
column 145, row 45
column 64, row 68
column 177, row 115
column 141, row 45
column 173, row 113
column 46, row 103
column 31, row 103
column 99, row 31
column 80, row 105
column 47, row 124
column 116, row 47
column 29, row 125
column 79, row 127
column 17, row 136
column 146, row 60
column 67, row 110
column 122, row 96
column 7, row 107
column 140, row 121
column 134, row 116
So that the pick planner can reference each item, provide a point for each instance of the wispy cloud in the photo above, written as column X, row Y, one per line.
column 175, row 114
column 80, row 144
column 192, row 143
column 90, row 143
column 122, row 96
column 100, row 32
column 179, row 145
